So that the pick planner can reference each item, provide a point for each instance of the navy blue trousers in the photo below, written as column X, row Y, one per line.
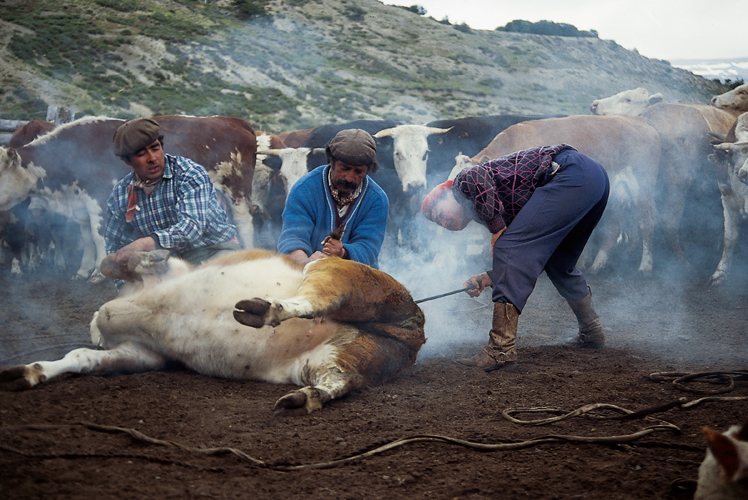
column 550, row 232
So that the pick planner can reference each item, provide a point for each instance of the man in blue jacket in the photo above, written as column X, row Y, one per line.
column 337, row 209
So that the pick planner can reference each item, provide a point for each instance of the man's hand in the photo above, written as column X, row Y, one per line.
column 477, row 283
column 495, row 238
column 140, row 245
column 333, row 247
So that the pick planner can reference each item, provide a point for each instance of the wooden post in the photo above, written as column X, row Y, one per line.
column 59, row 114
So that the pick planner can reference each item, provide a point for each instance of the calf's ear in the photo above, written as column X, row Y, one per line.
column 724, row 450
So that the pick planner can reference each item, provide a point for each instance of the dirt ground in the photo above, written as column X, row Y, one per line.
column 670, row 325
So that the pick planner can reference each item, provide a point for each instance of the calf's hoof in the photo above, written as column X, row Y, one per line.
column 251, row 312
column 14, row 379
column 309, row 398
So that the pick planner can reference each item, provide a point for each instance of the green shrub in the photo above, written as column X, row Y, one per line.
column 249, row 8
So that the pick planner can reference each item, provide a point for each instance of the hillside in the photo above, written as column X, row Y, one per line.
column 305, row 63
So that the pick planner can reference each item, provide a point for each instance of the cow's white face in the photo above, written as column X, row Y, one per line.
column 628, row 102
column 736, row 99
column 410, row 153
column 293, row 166
column 16, row 182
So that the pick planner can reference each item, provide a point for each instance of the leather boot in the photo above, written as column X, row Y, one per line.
column 591, row 332
column 500, row 351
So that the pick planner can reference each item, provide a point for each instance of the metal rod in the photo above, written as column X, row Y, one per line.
column 444, row 294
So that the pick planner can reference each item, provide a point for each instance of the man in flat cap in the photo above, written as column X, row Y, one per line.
column 337, row 209
column 165, row 202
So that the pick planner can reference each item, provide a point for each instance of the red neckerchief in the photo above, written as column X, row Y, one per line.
column 132, row 195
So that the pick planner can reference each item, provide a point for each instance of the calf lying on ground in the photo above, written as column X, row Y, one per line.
column 334, row 327
column 723, row 475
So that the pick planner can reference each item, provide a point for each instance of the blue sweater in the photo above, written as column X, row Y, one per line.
column 310, row 215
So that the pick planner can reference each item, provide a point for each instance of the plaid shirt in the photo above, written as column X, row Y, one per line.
column 498, row 189
column 182, row 213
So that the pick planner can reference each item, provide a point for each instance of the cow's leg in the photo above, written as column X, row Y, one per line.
column 88, row 260
column 611, row 229
column 128, row 357
column 332, row 385
column 730, row 211
column 646, row 210
column 341, row 289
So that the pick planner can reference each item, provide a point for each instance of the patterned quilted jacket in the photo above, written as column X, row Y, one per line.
column 498, row 189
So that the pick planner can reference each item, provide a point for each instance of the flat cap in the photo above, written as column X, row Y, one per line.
column 134, row 135
column 354, row 147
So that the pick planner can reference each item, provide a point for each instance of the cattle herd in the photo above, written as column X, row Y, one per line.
column 653, row 151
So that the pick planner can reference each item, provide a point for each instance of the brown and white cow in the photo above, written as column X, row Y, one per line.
column 735, row 99
column 74, row 169
column 731, row 159
column 626, row 146
column 30, row 131
column 332, row 327
column 723, row 475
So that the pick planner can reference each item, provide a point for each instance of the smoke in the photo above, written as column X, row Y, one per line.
column 669, row 313
column 443, row 262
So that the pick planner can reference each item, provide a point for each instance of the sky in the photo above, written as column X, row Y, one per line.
column 658, row 29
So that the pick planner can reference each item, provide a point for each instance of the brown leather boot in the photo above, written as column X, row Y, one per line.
column 500, row 351
column 591, row 332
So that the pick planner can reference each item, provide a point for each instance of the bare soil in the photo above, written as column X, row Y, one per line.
column 48, row 449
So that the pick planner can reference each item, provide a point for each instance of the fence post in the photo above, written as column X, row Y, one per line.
column 59, row 114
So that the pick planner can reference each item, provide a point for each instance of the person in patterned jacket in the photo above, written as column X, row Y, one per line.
column 541, row 206
column 165, row 203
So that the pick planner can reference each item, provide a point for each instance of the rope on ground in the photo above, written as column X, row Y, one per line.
column 610, row 440
column 679, row 380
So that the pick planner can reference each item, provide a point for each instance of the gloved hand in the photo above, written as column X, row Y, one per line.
column 477, row 283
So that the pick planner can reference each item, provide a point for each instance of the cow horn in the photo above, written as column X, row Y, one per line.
column 387, row 132
column 273, row 152
column 724, row 146
column 434, row 130
column 317, row 151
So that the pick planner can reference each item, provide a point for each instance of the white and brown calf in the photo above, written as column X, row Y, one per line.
column 333, row 327
column 723, row 475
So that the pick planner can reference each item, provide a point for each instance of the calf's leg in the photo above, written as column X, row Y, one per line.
column 128, row 357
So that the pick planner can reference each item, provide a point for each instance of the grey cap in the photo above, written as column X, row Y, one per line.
column 134, row 135
column 354, row 147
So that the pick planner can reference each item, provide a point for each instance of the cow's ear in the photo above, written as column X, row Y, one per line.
column 724, row 451
column 655, row 98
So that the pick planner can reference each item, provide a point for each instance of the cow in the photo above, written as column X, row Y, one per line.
column 686, row 131
column 13, row 233
column 723, row 475
column 333, row 326
column 626, row 146
column 465, row 136
column 731, row 159
column 30, row 131
column 629, row 102
column 74, row 169
column 268, row 192
column 295, row 138
column 735, row 99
